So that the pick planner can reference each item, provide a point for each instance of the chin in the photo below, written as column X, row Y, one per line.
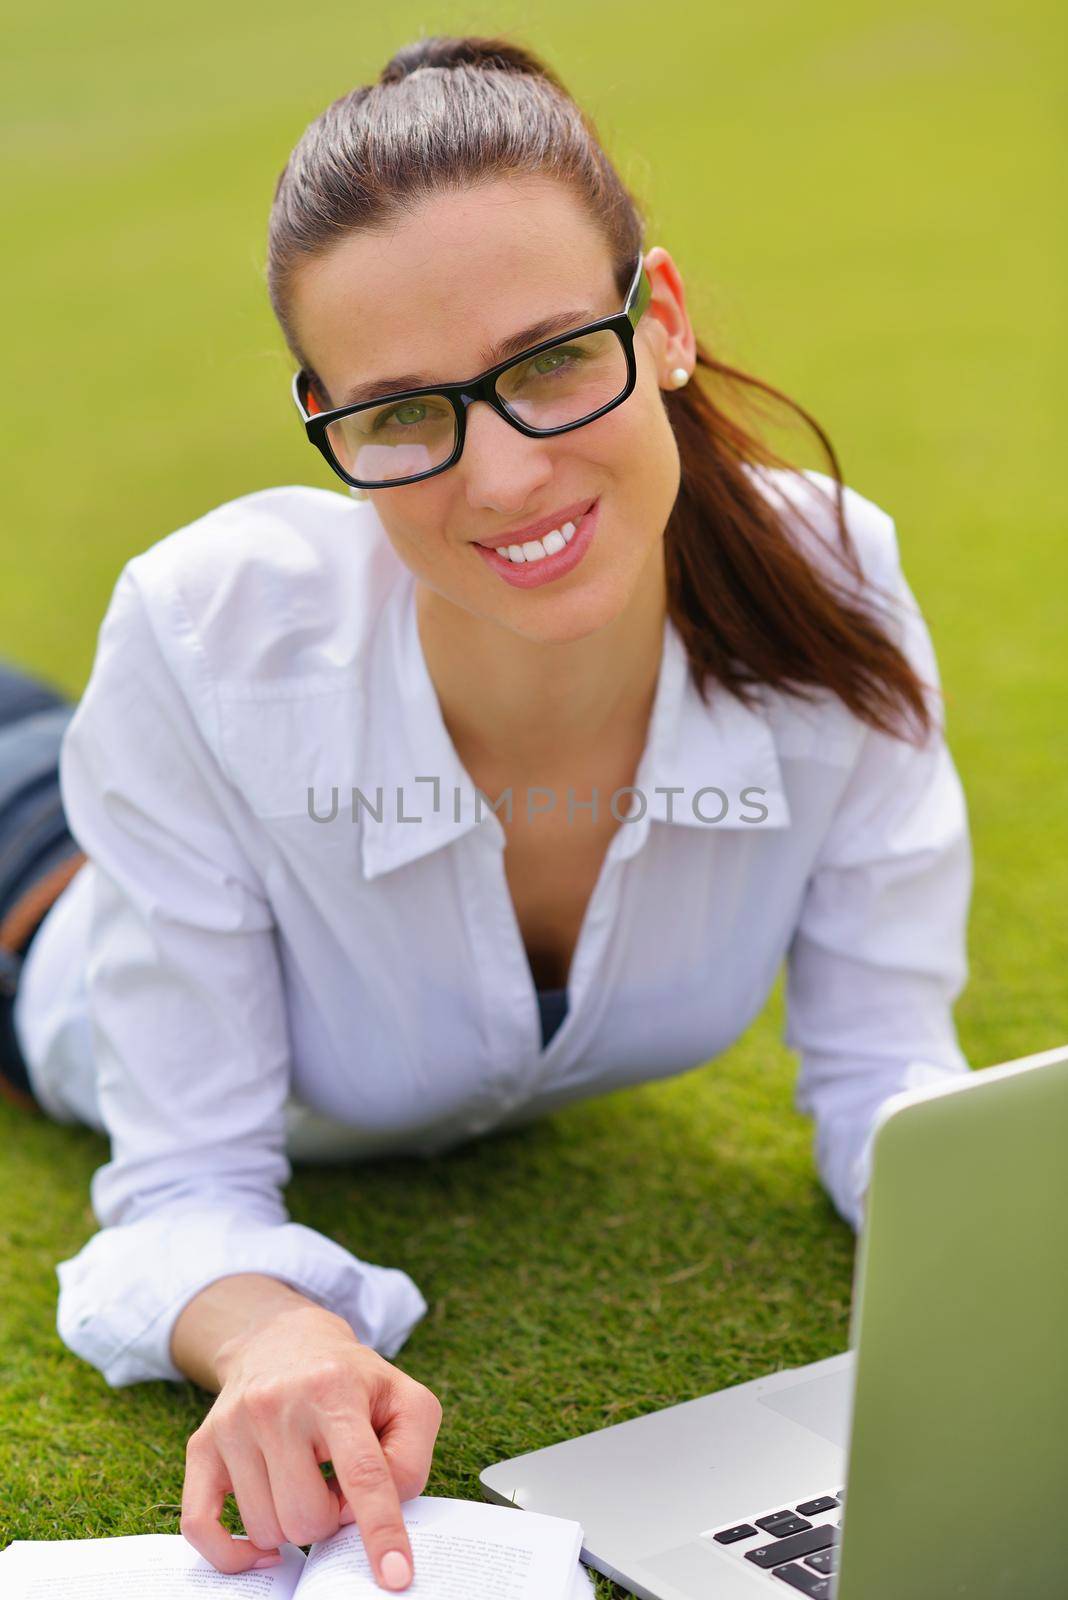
column 576, row 614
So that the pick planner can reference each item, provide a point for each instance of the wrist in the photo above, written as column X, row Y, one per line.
column 297, row 1312
column 214, row 1327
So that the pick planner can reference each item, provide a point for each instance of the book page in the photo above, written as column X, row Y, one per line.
column 582, row 1587
column 137, row 1566
column 462, row 1549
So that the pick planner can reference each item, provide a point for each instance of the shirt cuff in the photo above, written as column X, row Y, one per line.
column 121, row 1295
column 851, row 1196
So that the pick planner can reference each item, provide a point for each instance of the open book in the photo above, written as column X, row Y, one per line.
column 462, row 1549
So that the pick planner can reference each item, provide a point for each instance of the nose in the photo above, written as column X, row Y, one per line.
column 503, row 468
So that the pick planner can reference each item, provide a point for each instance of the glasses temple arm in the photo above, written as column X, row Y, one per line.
column 639, row 294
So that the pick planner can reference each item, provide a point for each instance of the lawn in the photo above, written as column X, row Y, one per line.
column 864, row 207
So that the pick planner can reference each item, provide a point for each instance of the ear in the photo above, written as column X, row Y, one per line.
column 666, row 320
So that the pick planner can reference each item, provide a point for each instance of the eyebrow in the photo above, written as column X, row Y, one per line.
column 545, row 329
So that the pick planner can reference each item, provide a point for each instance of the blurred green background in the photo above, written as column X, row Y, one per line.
column 866, row 204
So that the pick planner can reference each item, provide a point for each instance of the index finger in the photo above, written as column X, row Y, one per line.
column 366, row 1481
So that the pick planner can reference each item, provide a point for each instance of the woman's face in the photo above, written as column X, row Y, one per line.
column 434, row 295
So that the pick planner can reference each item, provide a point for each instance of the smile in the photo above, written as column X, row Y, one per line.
column 538, row 549
column 539, row 561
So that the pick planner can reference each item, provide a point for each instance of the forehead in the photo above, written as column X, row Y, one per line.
column 452, row 277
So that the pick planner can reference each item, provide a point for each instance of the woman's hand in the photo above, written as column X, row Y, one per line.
column 297, row 1391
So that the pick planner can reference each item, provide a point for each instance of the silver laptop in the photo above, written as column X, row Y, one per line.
column 927, row 1462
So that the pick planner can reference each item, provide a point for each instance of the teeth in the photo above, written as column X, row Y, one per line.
column 536, row 549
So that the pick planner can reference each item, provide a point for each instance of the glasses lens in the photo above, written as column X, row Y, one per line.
column 397, row 440
column 566, row 382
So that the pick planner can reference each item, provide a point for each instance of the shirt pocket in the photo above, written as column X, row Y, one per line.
column 292, row 753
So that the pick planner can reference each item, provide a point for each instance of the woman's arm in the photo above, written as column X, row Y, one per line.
column 186, row 1010
column 189, row 1031
column 879, row 952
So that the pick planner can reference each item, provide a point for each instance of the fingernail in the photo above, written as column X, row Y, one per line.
column 396, row 1571
column 266, row 1561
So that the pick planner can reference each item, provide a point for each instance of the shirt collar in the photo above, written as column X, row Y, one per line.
column 690, row 747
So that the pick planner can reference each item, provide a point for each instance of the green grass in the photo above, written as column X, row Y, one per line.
column 864, row 210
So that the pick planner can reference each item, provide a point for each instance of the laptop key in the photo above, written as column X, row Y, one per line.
column 792, row 1549
column 808, row 1582
column 775, row 1516
column 814, row 1508
column 823, row 1560
column 729, row 1535
column 782, row 1523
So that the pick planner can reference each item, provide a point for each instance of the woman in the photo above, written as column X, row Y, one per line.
column 310, row 922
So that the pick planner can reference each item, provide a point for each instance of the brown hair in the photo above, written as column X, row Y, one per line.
column 749, row 605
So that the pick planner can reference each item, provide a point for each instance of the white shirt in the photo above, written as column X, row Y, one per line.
column 228, row 983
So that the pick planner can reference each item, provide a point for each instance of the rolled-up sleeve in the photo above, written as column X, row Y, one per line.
column 187, row 1018
column 879, row 954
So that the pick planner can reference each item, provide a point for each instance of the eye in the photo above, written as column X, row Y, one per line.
column 552, row 360
column 397, row 414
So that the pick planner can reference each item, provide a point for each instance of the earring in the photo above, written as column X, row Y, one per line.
column 679, row 376
column 358, row 494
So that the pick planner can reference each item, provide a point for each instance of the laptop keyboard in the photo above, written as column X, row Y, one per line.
column 797, row 1544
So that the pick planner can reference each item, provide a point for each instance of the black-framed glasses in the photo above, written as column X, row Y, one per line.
column 555, row 386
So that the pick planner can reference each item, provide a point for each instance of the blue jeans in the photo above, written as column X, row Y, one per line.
column 34, row 837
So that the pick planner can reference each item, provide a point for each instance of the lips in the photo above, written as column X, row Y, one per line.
column 547, row 569
column 536, row 530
